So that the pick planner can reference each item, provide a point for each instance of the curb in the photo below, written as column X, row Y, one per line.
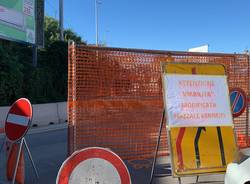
column 48, row 128
column 42, row 129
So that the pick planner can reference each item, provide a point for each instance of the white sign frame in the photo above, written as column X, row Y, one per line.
column 219, row 114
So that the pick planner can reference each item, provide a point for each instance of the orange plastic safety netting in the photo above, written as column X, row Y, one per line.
column 115, row 97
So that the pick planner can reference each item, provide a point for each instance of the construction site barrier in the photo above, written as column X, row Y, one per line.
column 115, row 97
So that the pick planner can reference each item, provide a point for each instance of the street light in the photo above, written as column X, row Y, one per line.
column 61, row 19
column 96, row 21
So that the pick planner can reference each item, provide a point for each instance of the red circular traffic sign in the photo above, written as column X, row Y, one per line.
column 238, row 101
column 18, row 119
column 93, row 165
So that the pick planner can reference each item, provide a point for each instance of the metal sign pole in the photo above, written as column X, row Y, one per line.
column 197, row 179
column 33, row 164
column 4, row 141
column 61, row 19
column 17, row 161
column 34, row 56
column 23, row 141
column 157, row 147
column 2, row 147
column 179, row 180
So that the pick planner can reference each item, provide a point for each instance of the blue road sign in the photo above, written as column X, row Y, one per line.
column 238, row 101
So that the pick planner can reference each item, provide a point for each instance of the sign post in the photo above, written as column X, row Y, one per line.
column 199, row 119
column 17, row 125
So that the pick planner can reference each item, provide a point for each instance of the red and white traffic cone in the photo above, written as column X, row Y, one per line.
column 12, row 153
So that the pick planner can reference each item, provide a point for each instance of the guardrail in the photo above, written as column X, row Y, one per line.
column 43, row 114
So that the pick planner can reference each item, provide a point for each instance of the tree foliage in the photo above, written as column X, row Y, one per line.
column 11, row 76
column 45, row 83
column 52, row 32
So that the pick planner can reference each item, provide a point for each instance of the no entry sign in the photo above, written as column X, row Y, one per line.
column 18, row 119
column 238, row 101
column 93, row 165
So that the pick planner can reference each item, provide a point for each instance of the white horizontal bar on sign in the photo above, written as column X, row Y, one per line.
column 11, row 17
column 18, row 120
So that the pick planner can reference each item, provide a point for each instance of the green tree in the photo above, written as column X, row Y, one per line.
column 48, row 81
column 11, row 76
column 45, row 83
column 52, row 32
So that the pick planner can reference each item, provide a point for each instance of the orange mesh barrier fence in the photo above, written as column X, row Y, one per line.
column 115, row 97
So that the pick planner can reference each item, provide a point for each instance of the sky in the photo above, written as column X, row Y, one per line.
column 160, row 24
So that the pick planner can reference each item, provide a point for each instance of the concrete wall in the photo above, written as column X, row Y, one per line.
column 43, row 114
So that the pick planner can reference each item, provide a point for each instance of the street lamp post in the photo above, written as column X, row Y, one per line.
column 96, row 22
column 61, row 19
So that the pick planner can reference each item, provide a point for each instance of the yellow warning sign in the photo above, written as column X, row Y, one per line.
column 199, row 149
column 186, row 68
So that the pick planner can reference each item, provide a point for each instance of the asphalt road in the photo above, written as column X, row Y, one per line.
column 49, row 150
